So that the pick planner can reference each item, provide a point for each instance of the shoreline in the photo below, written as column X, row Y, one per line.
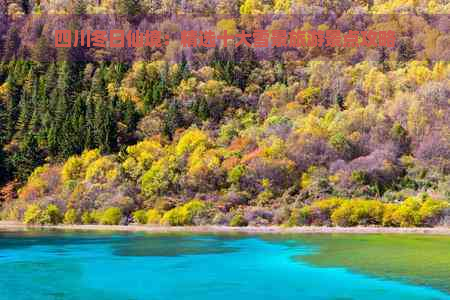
column 226, row 229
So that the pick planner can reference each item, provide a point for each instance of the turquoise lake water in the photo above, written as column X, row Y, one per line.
column 130, row 266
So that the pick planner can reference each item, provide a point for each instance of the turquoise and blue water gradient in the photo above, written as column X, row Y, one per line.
column 132, row 266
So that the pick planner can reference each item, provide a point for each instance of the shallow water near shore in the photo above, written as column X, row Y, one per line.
column 43, row 264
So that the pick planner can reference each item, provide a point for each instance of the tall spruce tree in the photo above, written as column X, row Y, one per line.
column 62, row 101
column 173, row 119
column 106, row 127
column 11, row 100
column 11, row 45
column 27, row 158
column 4, row 174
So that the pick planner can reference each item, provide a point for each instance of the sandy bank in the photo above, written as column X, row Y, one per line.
column 218, row 229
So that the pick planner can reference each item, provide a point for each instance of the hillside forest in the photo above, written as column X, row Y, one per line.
column 216, row 137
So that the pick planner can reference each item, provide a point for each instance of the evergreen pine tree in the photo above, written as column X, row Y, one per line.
column 52, row 140
column 27, row 101
column 11, row 45
column 62, row 101
column 78, row 123
column 4, row 174
column 105, row 125
column 89, row 138
column 27, row 158
column 182, row 72
column 11, row 100
column 130, row 116
column 173, row 119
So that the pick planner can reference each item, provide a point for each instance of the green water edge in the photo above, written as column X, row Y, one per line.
column 410, row 258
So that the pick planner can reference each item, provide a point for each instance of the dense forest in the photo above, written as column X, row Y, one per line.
column 216, row 137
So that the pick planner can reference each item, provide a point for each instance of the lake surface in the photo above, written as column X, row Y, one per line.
column 84, row 265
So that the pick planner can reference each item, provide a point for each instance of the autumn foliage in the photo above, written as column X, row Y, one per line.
column 217, row 137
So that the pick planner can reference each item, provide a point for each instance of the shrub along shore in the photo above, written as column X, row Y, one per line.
column 413, row 212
